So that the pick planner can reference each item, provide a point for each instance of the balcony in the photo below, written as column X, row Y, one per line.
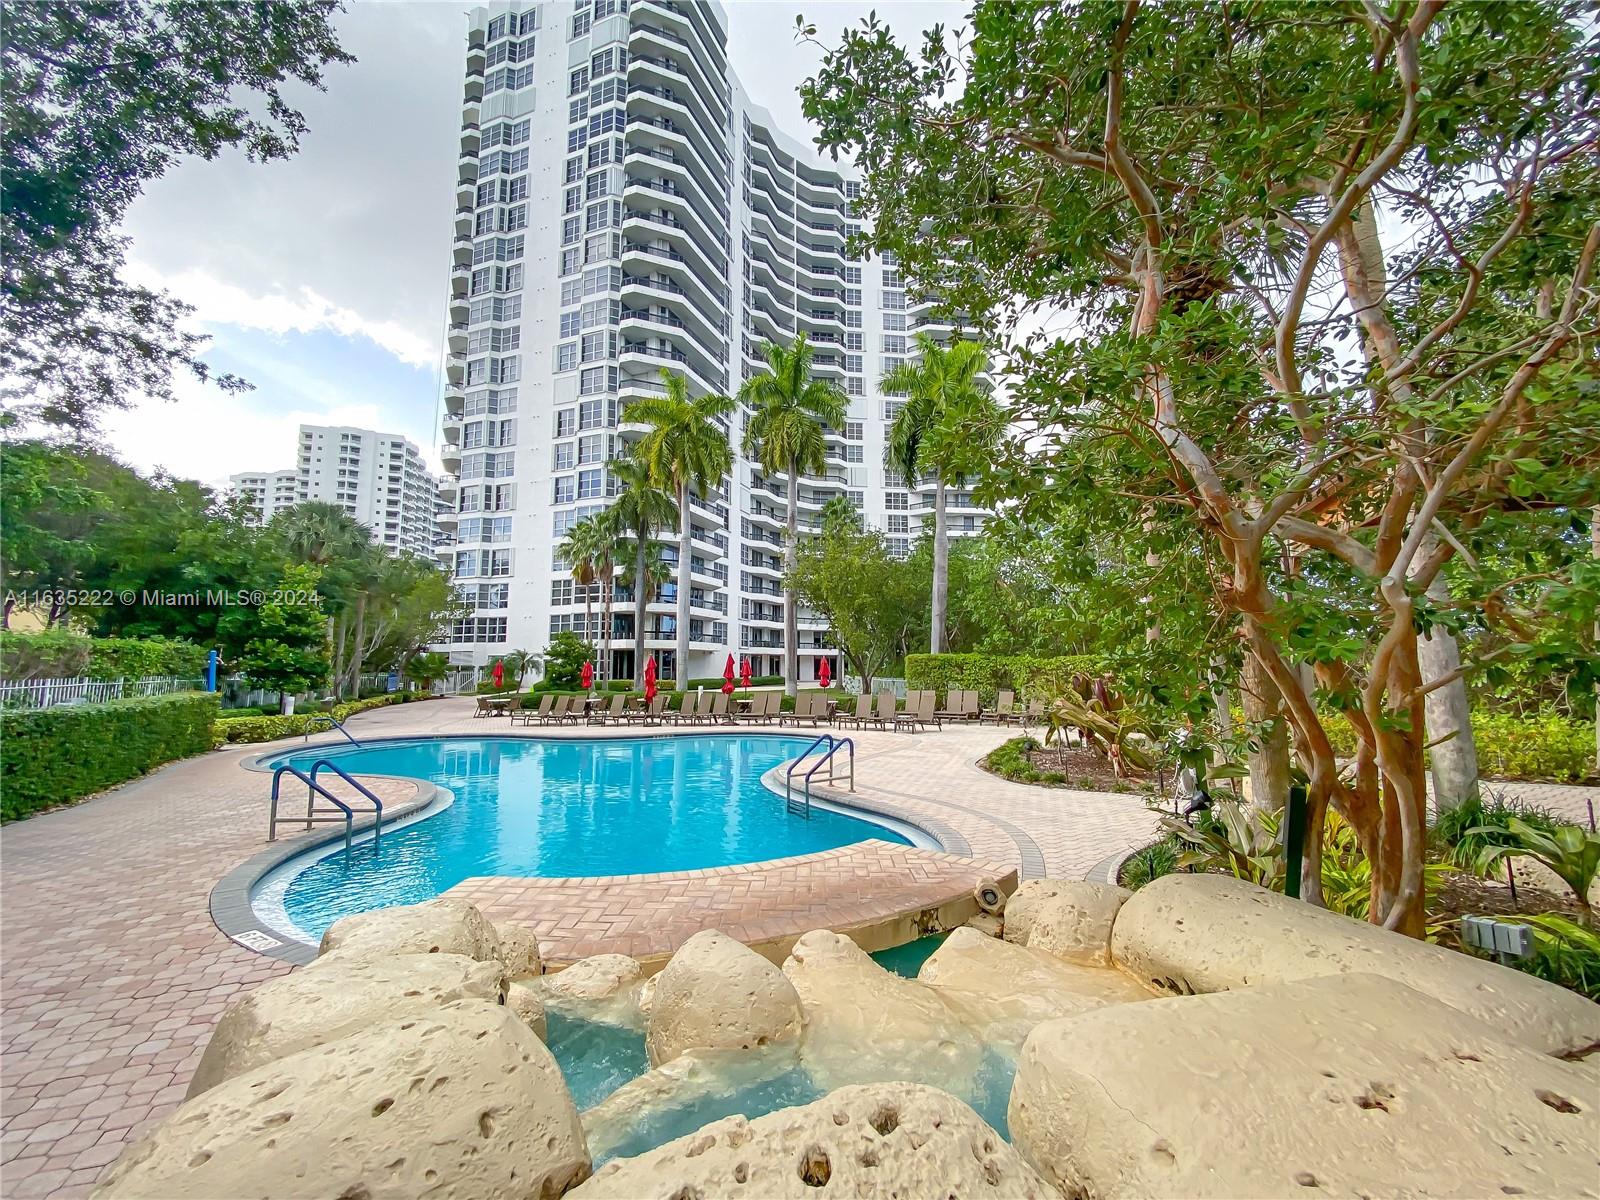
column 460, row 281
column 468, row 166
column 450, row 456
column 465, row 221
column 458, row 336
column 451, row 428
column 449, row 488
column 455, row 368
column 461, row 249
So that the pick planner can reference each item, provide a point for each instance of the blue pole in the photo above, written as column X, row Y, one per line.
column 211, row 670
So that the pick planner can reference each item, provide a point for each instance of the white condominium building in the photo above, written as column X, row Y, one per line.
column 623, row 206
column 378, row 478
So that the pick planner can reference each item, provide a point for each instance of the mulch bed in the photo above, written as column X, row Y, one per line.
column 1087, row 770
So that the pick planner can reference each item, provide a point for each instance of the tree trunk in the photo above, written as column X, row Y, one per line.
column 358, row 652
column 791, row 619
column 641, row 553
column 336, row 675
column 607, row 596
column 1269, row 756
column 1594, row 541
column 685, row 553
column 941, row 567
column 1449, row 710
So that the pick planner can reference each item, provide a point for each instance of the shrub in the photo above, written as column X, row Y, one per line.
column 1029, row 674
column 50, row 654
column 1547, row 747
column 134, row 658
column 56, row 755
column 1152, row 862
column 242, row 730
column 1564, row 952
column 1463, row 833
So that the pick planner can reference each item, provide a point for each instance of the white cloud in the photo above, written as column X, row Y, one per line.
column 220, row 303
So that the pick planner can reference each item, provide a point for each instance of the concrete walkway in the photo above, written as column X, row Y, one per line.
column 113, row 972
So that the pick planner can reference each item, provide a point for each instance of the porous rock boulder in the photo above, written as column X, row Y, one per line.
column 1070, row 918
column 600, row 977
column 717, row 994
column 868, row 1142
column 529, row 1006
column 333, row 997
column 1351, row 1085
column 434, row 927
column 461, row 1101
column 1003, row 990
column 863, row 1023
column 1210, row 933
column 519, row 950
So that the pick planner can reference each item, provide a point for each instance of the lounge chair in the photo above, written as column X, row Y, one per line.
column 719, row 709
column 1033, row 714
column 702, row 707
column 650, row 714
column 755, row 713
column 558, row 713
column 883, row 712
column 952, row 709
column 685, row 713
column 804, row 710
column 524, row 716
column 1004, row 710
column 922, row 712
column 765, row 708
column 612, row 712
column 483, row 709
column 857, row 717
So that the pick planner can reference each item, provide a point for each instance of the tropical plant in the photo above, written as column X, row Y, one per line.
column 585, row 549
column 791, row 410
column 1232, row 839
column 95, row 101
column 564, row 658
column 520, row 662
column 686, row 450
column 1105, row 722
column 1571, row 852
column 944, row 426
column 1564, row 952
column 1461, row 833
column 287, row 651
column 643, row 510
column 427, row 668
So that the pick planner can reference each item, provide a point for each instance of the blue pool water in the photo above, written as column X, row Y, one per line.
column 562, row 808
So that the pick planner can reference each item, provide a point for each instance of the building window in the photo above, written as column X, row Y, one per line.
column 564, row 460
column 566, row 422
column 567, row 356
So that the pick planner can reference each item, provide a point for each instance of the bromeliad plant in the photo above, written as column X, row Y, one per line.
column 1230, row 838
column 1104, row 721
column 1570, row 851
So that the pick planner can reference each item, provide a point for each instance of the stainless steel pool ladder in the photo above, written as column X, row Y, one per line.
column 801, row 806
column 315, row 789
column 333, row 723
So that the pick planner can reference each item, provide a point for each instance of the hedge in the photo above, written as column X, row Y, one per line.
column 240, row 730
column 1033, row 676
column 53, row 756
column 60, row 654
column 1548, row 748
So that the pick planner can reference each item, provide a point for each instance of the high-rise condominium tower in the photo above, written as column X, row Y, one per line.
column 625, row 206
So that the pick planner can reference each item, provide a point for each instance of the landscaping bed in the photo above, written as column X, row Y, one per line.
column 1082, row 768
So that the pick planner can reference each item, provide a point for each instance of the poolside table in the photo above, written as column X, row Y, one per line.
column 498, row 704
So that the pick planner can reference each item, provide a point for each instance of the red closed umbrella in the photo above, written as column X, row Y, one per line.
column 499, row 674
column 649, row 679
column 727, row 677
column 825, row 676
column 587, row 678
column 744, row 672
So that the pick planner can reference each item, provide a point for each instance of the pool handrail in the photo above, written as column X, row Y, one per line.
column 834, row 745
column 377, row 805
column 333, row 723
column 313, row 790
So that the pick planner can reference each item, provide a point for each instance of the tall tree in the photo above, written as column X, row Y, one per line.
column 643, row 511
column 686, row 451
column 1189, row 181
column 584, row 549
column 791, row 410
column 946, row 414
column 97, row 99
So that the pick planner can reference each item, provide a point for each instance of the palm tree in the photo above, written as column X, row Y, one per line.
column 946, row 404
column 583, row 550
column 643, row 510
column 326, row 536
column 607, row 547
column 686, row 448
column 645, row 571
column 790, row 410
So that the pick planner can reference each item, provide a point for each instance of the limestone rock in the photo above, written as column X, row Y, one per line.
column 460, row 1101
column 1209, row 933
column 1352, row 1085
column 598, row 978
column 332, row 998
column 434, row 927
column 987, row 924
column 864, row 1024
column 1003, row 990
column 717, row 994
column 647, row 994
column 519, row 950
column 1075, row 923
column 525, row 1002
column 1070, row 918
column 874, row 1142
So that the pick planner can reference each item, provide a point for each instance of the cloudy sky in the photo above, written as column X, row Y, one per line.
column 323, row 279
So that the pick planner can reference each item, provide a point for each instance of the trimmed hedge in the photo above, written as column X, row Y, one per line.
column 56, row 755
column 241, row 730
column 1032, row 676
column 1547, row 748
column 60, row 654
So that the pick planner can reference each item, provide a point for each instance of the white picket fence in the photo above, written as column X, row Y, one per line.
column 851, row 685
column 47, row 693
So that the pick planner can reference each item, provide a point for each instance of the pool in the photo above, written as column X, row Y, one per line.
column 555, row 809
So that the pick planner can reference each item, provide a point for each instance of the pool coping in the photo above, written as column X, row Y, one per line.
column 234, row 914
